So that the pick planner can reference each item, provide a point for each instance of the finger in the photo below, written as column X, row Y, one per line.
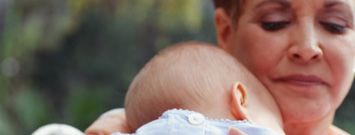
column 109, row 124
column 234, row 131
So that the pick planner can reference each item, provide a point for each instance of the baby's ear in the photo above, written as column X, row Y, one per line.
column 239, row 102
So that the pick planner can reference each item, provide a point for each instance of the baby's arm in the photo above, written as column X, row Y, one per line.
column 108, row 123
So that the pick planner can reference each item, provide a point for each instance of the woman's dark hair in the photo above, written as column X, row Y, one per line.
column 232, row 7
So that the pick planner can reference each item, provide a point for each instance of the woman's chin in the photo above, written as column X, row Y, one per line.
column 303, row 112
column 302, row 102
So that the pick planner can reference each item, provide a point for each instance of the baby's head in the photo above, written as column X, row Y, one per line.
column 201, row 78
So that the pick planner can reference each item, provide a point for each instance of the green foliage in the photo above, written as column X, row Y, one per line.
column 345, row 115
column 186, row 14
column 32, row 110
column 84, row 106
column 5, row 126
column 76, row 58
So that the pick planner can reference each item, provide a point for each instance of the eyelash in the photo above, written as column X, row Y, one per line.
column 274, row 26
column 333, row 28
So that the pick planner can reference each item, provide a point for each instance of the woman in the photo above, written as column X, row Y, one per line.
column 303, row 51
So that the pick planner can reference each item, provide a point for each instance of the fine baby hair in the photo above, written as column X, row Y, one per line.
column 198, row 77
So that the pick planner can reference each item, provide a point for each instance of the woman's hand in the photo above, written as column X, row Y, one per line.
column 108, row 123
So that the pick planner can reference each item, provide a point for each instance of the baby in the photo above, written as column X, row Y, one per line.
column 205, row 84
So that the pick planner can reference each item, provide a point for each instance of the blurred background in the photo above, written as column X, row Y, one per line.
column 68, row 61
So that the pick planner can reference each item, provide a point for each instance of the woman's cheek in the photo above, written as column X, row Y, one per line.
column 261, row 50
column 339, row 53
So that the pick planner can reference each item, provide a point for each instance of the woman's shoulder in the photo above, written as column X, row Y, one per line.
column 337, row 131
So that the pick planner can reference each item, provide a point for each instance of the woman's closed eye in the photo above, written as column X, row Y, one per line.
column 335, row 21
column 333, row 27
column 276, row 20
column 274, row 26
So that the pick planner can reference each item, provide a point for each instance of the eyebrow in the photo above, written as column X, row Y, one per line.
column 331, row 4
column 284, row 3
column 334, row 3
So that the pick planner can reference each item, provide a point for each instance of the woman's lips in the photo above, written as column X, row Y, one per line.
column 302, row 80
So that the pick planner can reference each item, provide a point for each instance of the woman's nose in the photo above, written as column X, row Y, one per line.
column 305, row 46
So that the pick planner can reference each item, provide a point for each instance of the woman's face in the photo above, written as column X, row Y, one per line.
column 302, row 50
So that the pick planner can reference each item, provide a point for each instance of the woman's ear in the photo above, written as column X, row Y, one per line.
column 224, row 28
column 239, row 102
